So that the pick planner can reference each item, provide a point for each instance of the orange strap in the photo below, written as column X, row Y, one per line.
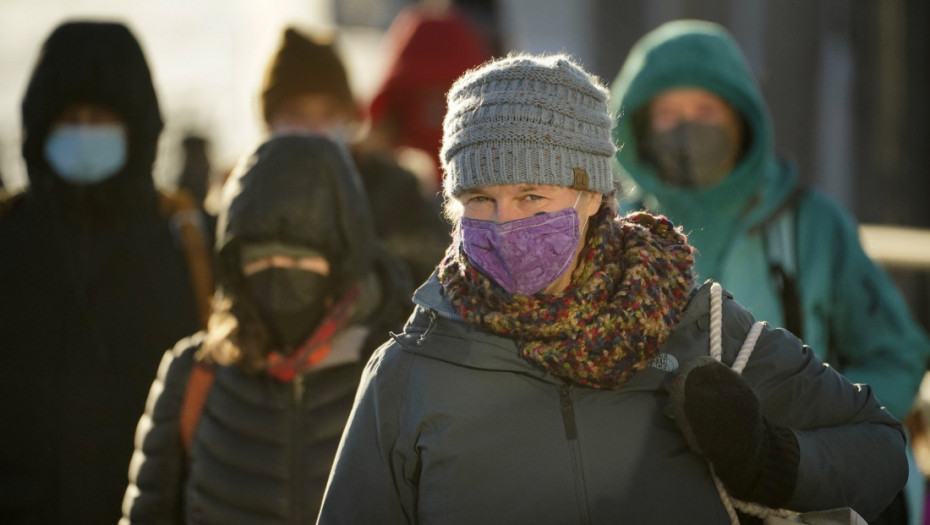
column 180, row 208
column 198, row 386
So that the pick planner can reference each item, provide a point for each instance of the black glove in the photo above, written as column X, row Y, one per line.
column 719, row 415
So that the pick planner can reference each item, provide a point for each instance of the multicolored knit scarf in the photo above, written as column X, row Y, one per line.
column 633, row 280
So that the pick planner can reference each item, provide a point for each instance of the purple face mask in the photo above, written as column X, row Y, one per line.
column 526, row 255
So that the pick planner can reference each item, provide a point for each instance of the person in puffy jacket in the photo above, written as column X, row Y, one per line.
column 558, row 369
column 94, row 284
column 304, row 294
column 699, row 148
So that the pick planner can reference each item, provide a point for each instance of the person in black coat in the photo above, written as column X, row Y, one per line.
column 305, row 292
column 94, row 286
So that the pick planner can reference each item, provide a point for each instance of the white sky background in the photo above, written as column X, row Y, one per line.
column 207, row 59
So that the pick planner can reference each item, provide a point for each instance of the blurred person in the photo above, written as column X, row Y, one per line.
column 195, row 169
column 193, row 225
column 428, row 45
column 699, row 148
column 195, row 181
column 95, row 287
column 304, row 295
column 532, row 382
column 306, row 91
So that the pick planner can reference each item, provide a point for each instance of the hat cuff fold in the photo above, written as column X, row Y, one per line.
column 521, row 162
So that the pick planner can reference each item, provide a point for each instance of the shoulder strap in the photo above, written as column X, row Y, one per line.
column 780, row 235
column 185, row 220
column 195, row 395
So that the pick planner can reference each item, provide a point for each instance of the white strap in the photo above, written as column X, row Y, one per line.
column 716, row 321
column 716, row 351
column 748, row 346
column 716, row 332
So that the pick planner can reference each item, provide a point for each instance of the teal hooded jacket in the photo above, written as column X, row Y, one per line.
column 851, row 312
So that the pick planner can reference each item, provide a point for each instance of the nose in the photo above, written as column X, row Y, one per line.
column 506, row 212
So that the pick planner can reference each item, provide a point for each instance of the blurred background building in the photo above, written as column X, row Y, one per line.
column 846, row 80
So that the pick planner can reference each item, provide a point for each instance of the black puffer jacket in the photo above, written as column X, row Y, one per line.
column 262, row 448
column 93, row 290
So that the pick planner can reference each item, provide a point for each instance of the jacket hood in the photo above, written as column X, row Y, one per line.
column 705, row 55
column 297, row 190
column 97, row 63
column 428, row 49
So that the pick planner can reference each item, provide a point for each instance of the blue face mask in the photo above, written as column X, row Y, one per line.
column 86, row 154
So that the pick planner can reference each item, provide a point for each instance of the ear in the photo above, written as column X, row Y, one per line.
column 592, row 204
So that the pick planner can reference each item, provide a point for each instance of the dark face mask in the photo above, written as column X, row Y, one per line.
column 291, row 302
column 690, row 155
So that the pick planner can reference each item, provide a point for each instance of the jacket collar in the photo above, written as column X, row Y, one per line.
column 429, row 295
column 438, row 332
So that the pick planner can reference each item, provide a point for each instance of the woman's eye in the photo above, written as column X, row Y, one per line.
column 532, row 197
column 477, row 199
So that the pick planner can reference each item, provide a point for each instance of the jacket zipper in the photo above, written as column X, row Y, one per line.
column 571, row 434
column 295, row 463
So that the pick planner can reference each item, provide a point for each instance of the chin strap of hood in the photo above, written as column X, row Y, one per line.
column 285, row 367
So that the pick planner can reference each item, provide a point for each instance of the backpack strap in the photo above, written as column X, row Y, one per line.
column 187, row 224
column 780, row 236
column 195, row 396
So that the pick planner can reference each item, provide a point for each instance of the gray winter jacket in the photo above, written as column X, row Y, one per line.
column 452, row 426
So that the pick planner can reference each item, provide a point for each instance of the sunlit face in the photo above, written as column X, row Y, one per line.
column 86, row 114
column 258, row 257
column 316, row 113
column 509, row 202
column 311, row 264
column 673, row 106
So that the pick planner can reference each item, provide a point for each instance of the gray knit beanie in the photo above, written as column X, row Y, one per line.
column 527, row 119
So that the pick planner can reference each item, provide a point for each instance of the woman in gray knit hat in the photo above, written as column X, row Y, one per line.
column 538, row 380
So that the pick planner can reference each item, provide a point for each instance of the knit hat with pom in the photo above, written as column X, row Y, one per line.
column 527, row 119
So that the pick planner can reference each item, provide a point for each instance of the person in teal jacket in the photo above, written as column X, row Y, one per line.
column 697, row 145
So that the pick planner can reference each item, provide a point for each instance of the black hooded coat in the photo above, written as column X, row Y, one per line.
column 262, row 447
column 93, row 289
